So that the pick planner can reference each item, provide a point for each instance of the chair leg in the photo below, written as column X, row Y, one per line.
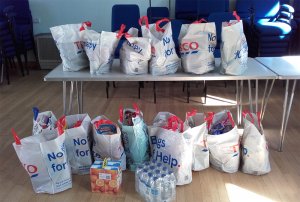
column 183, row 86
column 26, row 62
column 139, row 89
column 154, row 92
column 20, row 64
column 107, row 87
column 114, row 84
column 6, row 71
column 188, row 92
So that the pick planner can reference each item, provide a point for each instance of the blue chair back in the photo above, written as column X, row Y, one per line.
column 243, row 8
column 205, row 7
column 186, row 9
column 128, row 14
column 157, row 13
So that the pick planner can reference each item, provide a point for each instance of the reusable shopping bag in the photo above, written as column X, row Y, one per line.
column 44, row 124
column 76, row 129
column 107, row 141
column 100, row 48
column 164, row 59
column 171, row 145
column 234, row 47
column 134, row 135
column 45, row 162
column 135, row 53
column 197, row 127
column 223, row 142
column 255, row 153
column 70, row 46
column 197, row 44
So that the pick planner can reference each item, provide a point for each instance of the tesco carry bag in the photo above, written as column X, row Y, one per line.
column 164, row 59
column 70, row 46
column 171, row 145
column 44, row 124
column 135, row 136
column 100, row 48
column 255, row 153
column 234, row 47
column 107, row 141
column 197, row 44
column 76, row 129
column 135, row 53
column 197, row 127
column 45, row 162
column 223, row 142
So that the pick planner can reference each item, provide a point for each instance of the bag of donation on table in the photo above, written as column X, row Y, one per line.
column 70, row 46
column 172, row 145
column 234, row 47
column 135, row 136
column 107, row 141
column 255, row 153
column 100, row 48
column 135, row 53
column 76, row 129
column 223, row 142
column 197, row 127
column 44, row 124
column 164, row 59
column 197, row 42
column 45, row 162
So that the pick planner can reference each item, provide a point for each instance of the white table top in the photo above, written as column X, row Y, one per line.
column 255, row 70
column 287, row 67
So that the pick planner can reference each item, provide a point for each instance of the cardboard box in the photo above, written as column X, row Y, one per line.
column 107, row 178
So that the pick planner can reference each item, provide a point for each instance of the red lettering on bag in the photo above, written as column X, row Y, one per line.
column 189, row 46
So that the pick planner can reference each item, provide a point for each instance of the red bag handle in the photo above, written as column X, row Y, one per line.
column 199, row 21
column 173, row 122
column 258, row 118
column 102, row 121
column 16, row 137
column 157, row 27
column 61, row 125
column 136, row 108
column 144, row 19
column 121, row 31
column 191, row 113
column 209, row 119
column 245, row 113
column 237, row 17
column 230, row 119
column 121, row 114
column 84, row 25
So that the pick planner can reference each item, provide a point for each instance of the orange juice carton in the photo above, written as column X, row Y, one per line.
column 106, row 176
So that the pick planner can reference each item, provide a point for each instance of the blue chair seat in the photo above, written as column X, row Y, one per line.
column 272, row 28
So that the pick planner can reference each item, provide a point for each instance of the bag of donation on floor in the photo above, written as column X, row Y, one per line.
column 107, row 141
column 197, row 45
column 45, row 162
column 76, row 129
column 135, row 136
column 255, row 153
column 135, row 53
column 172, row 145
column 197, row 127
column 223, row 142
column 234, row 48
column 164, row 59
column 44, row 124
column 70, row 46
column 100, row 48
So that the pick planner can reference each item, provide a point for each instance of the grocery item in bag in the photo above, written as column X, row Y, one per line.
column 70, row 46
column 45, row 162
column 234, row 47
column 197, row 45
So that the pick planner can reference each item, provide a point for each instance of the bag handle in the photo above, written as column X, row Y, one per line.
column 237, row 17
column 35, row 111
column 121, row 115
column 209, row 119
column 61, row 125
column 121, row 31
column 230, row 119
column 258, row 114
column 191, row 113
column 102, row 121
column 16, row 137
column 136, row 108
column 157, row 25
column 199, row 21
column 144, row 19
column 84, row 25
column 173, row 122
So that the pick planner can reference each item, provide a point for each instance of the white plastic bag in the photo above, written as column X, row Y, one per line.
column 172, row 146
column 164, row 59
column 255, row 153
column 107, row 145
column 100, row 48
column 45, row 162
column 197, row 44
column 234, row 47
column 76, row 129
column 70, row 46
column 224, row 149
column 135, row 53
column 197, row 128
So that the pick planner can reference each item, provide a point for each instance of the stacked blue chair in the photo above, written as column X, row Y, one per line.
column 296, row 5
column 186, row 10
column 157, row 13
column 206, row 7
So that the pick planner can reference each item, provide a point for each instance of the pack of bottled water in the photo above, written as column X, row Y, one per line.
column 155, row 182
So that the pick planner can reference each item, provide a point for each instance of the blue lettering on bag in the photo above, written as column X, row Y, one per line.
column 90, row 45
column 166, row 40
column 157, row 141
column 211, row 37
column 237, row 54
column 59, row 166
column 135, row 47
column 167, row 159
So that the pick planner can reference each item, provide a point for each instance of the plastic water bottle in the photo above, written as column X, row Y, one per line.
column 165, row 170
column 156, row 187
column 148, row 187
column 139, row 169
column 157, row 173
column 142, row 179
column 146, row 164
column 153, row 162
column 173, row 182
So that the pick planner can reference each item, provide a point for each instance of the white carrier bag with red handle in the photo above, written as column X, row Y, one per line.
column 197, row 127
column 135, row 53
column 100, row 48
column 171, row 145
column 255, row 153
column 234, row 47
column 164, row 59
column 70, row 46
column 45, row 162
column 223, row 142
column 77, row 130
column 197, row 45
